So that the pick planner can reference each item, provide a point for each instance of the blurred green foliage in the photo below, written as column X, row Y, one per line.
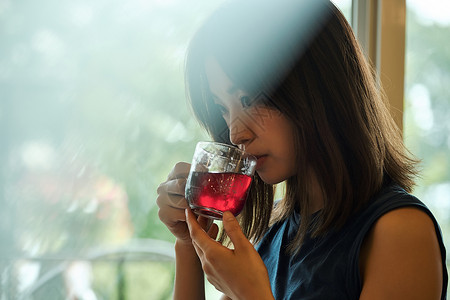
column 427, row 110
column 93, row 117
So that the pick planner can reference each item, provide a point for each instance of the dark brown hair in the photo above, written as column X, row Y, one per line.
column 304, row 57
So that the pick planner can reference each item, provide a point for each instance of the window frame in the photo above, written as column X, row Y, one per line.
column 380, row 27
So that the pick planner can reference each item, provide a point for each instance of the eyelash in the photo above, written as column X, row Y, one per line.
column 245, row 102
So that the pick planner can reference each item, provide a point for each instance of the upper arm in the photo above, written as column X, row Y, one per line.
column 400, row 258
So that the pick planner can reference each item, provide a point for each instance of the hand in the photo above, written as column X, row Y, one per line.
column 172, row 203
column 238, row 273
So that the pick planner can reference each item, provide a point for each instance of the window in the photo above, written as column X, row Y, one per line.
column 427, row 102
column 419, row 96
column 93, row 117
column 346, row 7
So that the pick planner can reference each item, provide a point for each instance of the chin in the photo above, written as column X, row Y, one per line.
column 270, row 178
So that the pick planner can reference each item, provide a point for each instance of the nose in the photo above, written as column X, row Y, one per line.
column 240, row 133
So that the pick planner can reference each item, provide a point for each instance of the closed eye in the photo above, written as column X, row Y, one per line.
column 246, row 101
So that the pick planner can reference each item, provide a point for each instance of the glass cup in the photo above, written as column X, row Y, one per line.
column 219, row 179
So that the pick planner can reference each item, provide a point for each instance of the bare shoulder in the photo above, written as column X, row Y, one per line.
column 400, row 257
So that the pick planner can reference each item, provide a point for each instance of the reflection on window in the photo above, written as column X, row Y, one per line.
column 427, row 105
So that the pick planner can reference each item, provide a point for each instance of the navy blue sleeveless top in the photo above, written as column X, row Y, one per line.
column 328, row 267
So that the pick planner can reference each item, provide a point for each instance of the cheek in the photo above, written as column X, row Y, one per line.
column 286, row 138
column 264, row 117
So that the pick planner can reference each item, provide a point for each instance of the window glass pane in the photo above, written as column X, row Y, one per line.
column 346, row 7
column 92, row 118
column 427, row 102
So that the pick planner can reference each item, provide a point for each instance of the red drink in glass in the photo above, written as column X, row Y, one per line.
column 219, row 179
column 212, row 194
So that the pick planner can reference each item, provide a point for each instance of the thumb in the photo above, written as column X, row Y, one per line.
column 234, row 231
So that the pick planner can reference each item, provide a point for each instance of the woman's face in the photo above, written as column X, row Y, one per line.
column 261, row 130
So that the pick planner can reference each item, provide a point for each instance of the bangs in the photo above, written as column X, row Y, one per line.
column 257, row 44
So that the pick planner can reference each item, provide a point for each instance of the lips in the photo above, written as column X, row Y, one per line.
column 260, row 159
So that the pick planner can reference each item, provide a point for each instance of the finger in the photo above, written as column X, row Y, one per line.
column 166, row 201
column 169, row 215
column 193, row 221
column 172, row 193
column 173, row 186
column 198, row 235
column 180, row 170
column 205, row 222
column 213, row 231
column 234, row 231
column 199, row 252
column 208, row 226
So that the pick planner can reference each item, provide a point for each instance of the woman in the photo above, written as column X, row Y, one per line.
column 287, row 81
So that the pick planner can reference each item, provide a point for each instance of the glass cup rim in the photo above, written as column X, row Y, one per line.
column 240, row 151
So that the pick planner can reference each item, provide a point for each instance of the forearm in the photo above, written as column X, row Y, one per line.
column 189, row 279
